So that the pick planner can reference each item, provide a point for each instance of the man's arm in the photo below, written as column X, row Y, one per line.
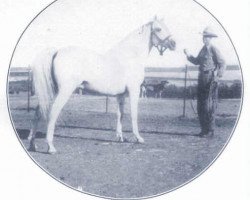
column 192, row 59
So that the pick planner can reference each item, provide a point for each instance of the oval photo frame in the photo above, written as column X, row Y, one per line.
column 115, row 162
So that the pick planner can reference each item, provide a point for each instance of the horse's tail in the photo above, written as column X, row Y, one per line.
column 44, row 80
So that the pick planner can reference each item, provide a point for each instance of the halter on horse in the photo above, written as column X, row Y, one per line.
column 119, row 70
column 158, row 41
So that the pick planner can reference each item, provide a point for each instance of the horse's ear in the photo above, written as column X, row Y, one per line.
column 155, row 17
column 162, row 19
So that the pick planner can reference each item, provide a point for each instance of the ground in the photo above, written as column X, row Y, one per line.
column 91, row 159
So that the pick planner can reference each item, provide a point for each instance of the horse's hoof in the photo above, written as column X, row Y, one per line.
column 140, row 140
column 32, row 147
column 51, row 150
column 120, row 139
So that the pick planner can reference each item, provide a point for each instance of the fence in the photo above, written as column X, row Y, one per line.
column 20, row 79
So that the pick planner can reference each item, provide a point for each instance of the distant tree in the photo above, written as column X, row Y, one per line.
column 235, row 89
column 192, row 92
column 223, row 91
column 18, row 86
column 171, row 91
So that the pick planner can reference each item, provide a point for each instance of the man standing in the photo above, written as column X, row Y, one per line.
column 211, row 67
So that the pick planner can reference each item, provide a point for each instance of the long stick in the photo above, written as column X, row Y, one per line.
column 184, row 98
column 28, row 91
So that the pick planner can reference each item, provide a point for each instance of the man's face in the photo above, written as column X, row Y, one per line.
column 207, row 40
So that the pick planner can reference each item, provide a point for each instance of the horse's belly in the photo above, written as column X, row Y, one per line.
column 105, row 77
column 106, row 86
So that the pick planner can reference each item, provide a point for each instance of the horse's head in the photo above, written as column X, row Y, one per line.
column 160, row 36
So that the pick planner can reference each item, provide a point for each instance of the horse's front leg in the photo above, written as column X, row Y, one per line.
column 134, row 98
column 120, row 113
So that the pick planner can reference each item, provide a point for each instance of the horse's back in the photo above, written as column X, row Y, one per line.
column 74, row 62
column 75, row 65
column 72, row 57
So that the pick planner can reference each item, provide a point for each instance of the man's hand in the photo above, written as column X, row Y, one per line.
column 186, row 52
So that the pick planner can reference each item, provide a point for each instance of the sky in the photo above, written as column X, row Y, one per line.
column 100, row 24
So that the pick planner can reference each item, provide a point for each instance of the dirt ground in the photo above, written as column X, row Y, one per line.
column 91, row 159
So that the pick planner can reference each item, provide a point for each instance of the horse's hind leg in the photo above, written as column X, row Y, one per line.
column 134, row 98
column 56, row 108
column 32, row 134
column 120, row 113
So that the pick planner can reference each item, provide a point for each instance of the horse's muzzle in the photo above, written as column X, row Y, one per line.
column 167, row 44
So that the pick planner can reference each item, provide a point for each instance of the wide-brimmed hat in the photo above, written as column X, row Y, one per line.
column 208, row 32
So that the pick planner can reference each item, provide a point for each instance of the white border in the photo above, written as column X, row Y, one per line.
column 228, row 178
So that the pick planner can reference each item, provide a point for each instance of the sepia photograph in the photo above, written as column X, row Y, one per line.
column 124, row 99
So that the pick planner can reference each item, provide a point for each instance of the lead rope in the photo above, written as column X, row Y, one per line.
column 191, row 100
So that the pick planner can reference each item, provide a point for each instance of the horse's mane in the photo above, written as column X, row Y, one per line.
column 138, row 31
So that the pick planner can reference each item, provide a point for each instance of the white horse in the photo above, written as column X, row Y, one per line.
column 57, row 73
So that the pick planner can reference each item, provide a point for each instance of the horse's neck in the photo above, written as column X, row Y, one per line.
column 134, row 45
